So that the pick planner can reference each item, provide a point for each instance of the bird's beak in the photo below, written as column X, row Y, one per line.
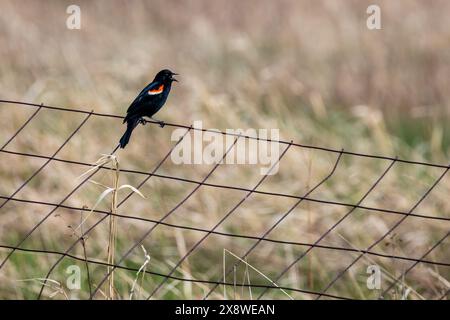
column 174, row 74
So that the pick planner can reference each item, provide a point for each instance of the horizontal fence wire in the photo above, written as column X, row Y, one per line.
column 226, row 234
column 82, row 259
column 108, row 115
column 221, row 186
column 263, row 238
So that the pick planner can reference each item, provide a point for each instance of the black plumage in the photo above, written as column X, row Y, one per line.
column 149, row 101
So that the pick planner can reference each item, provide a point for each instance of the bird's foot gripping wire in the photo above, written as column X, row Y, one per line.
column 142, row 121
column 161, row 123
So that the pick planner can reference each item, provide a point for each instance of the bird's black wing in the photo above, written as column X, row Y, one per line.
column 145, row 96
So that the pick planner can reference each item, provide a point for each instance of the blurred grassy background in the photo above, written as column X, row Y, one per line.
column 310, row 68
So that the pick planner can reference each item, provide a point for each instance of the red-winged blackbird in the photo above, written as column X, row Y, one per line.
column 147, row 103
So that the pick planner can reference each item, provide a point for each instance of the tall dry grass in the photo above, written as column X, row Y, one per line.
column 310, row 68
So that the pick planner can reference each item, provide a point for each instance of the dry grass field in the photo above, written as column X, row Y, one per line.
column 311, row 69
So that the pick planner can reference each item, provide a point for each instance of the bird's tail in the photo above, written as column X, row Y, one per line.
column 131, row 124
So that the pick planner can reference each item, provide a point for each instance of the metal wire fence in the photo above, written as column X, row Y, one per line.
column 205, row 233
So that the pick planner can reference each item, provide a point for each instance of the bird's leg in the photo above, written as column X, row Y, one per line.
column 142, row 121
column 161, row 123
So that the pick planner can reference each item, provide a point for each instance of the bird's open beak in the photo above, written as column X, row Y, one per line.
column 174, row 74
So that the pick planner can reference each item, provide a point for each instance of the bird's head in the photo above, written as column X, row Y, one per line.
column 166, row 76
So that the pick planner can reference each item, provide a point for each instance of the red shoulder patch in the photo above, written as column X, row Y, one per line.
column 156, row 90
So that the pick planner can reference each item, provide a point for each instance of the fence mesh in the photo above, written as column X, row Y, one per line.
column 303, row 249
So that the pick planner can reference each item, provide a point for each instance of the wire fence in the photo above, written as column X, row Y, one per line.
column 205, row 233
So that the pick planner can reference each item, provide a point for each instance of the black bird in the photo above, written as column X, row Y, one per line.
column 148, row 102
